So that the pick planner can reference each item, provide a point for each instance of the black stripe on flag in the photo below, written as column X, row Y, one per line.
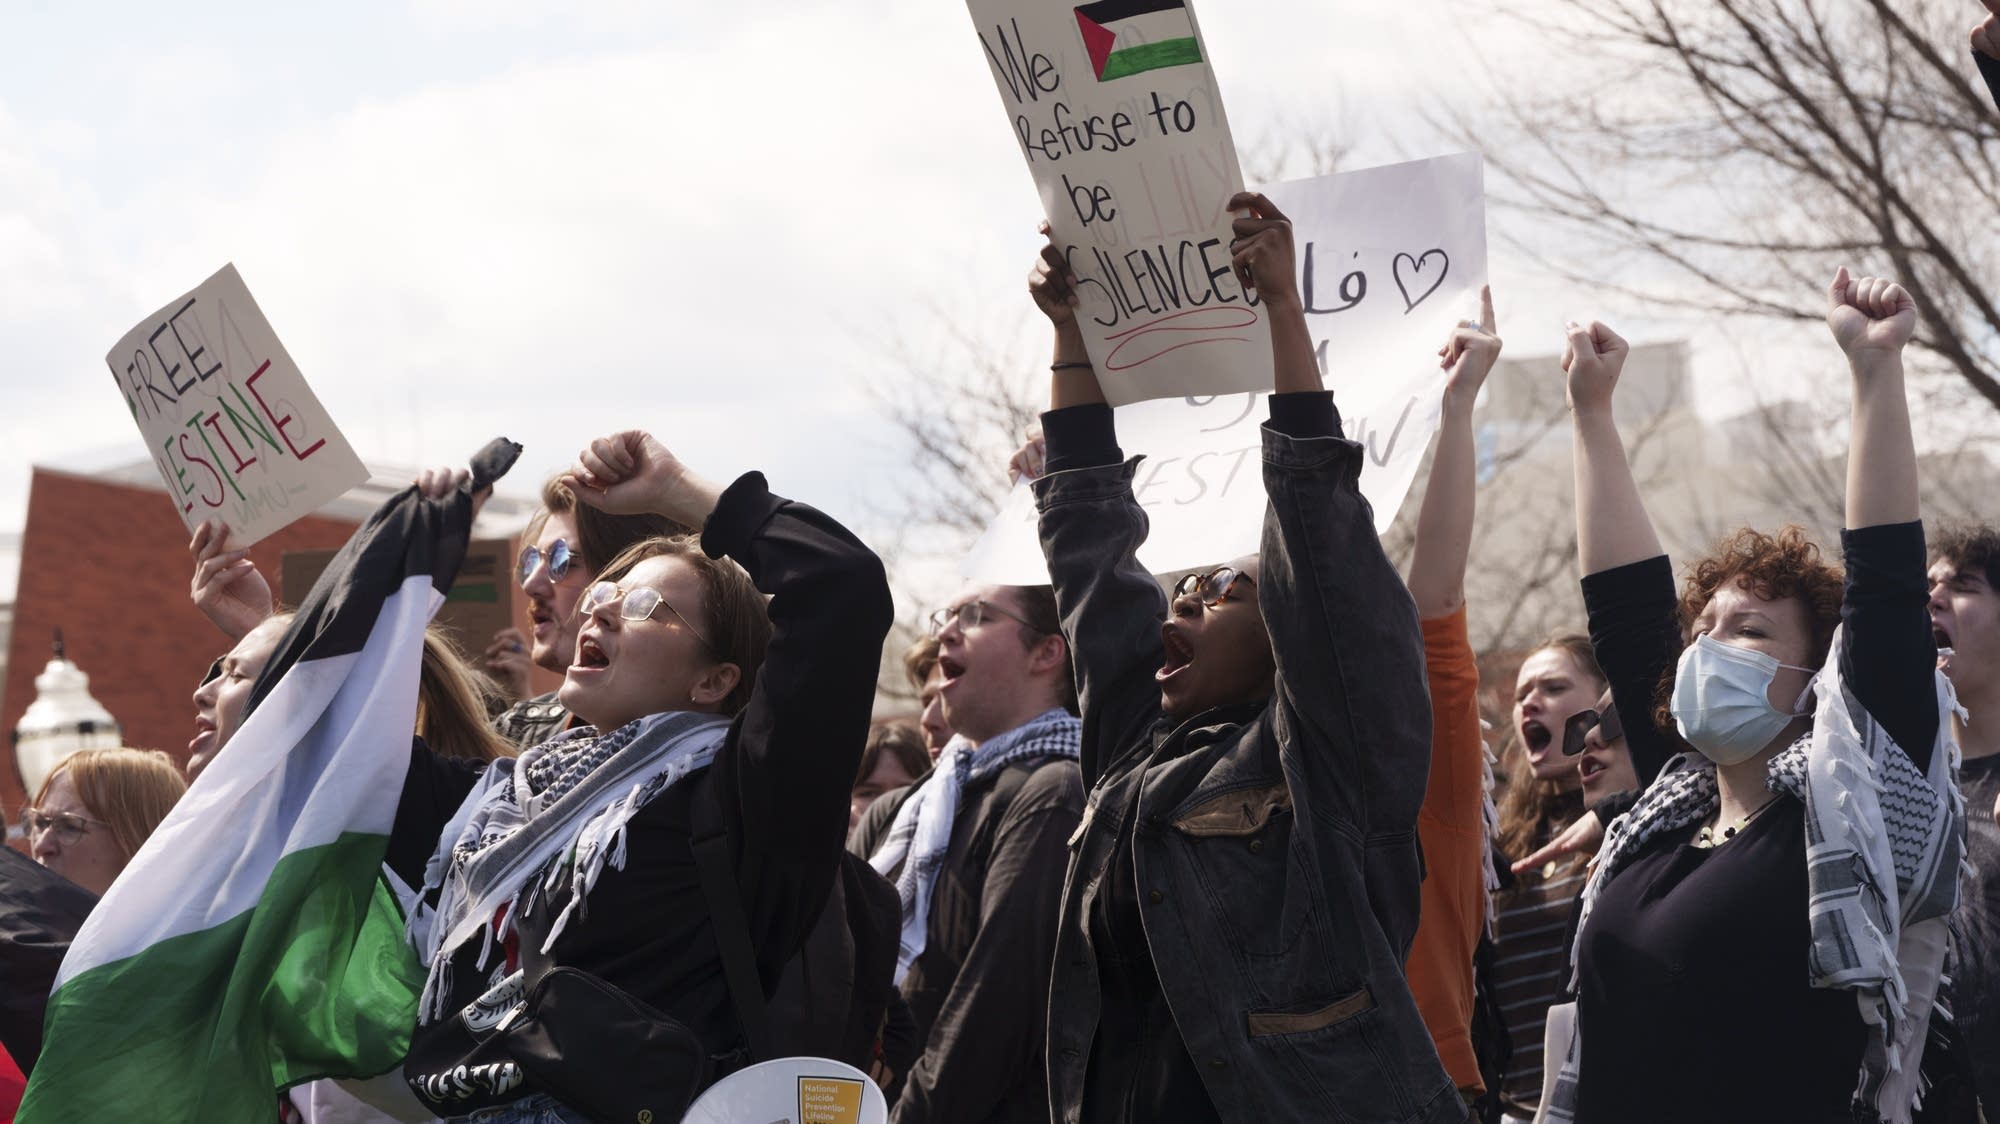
column 40, row 912
column 406, row 537
column 1105, row 11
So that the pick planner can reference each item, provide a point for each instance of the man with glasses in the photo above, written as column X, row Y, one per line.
column 566, row 546
column 977, row 849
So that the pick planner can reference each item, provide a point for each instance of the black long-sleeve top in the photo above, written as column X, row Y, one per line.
column 781, row 780
column 1694, row 999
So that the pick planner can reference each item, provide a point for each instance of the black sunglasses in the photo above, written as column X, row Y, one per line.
column 560, row 560
column 1603, row 718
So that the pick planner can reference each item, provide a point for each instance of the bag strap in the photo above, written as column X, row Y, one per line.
column 732, row 932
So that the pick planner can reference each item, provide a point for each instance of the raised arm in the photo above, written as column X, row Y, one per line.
column 1444, row 523
column 1986, row 48
column 1628, row 585
column 1871, row 319
column 800, row 735
column 1350, row 707
column 1612, row 528
column 1888, row 655
column 1091, row 528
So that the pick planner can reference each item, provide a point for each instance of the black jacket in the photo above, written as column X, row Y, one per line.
column 979, row 990
column 781, row 780
column 1272, row 852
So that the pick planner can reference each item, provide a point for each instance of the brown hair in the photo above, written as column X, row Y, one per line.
column 600, row 536
column 132, row 790
column 452, row 705
column 919, row 659
column 739, row 628
column 899, row 740
column 1038, row 605
column 1774, row 567
column 1973, row 546
column 1529, row 806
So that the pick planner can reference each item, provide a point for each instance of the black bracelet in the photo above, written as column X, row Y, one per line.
column 1070, row 366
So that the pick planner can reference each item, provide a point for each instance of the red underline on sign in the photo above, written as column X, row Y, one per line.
column 1131, row 336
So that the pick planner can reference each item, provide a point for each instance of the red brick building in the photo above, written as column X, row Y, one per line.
column 104, row 558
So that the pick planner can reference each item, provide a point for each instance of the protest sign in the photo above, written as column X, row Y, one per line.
column 1116, row 109
column 1391, row 259
column 236, row 432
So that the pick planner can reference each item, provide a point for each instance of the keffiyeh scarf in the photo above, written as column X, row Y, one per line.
column 559, row 812
column 1884, row 846
column 921, row 832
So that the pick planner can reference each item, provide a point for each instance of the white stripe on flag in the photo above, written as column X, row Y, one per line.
column 1151, row 27
column 324, row 754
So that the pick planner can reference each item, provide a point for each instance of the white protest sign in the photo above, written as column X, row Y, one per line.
column 236, row 432
column 1116, row 109
column 1391, row 259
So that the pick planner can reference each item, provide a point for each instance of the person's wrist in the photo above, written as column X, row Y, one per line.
column 1283, row 303
column 1070, row 347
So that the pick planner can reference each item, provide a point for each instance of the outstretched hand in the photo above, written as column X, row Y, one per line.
column 227, row 587
column 1580, row 838
column 1593, row 357
column 1469, row 353
column 1869, row 316
column 1261, row 253
column 1986, row 34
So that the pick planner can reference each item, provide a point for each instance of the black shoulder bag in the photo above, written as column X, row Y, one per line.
column 613, row 1057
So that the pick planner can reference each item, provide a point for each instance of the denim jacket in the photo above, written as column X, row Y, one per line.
column 1276, row 848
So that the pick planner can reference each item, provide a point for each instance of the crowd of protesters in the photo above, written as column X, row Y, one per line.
column 1227, row 845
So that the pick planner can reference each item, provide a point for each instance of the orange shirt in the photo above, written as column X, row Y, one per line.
column 1451, row 826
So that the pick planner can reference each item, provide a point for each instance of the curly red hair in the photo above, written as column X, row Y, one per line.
column 1774, row 567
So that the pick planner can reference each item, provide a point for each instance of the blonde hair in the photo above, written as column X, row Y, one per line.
column 452, row 705
column 131, row 790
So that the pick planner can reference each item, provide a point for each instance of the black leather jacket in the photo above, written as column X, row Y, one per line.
column 1275, row 849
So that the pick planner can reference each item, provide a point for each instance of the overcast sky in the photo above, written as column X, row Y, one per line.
column 517, row 217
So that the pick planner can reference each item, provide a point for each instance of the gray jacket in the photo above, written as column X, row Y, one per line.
column 1275, row 849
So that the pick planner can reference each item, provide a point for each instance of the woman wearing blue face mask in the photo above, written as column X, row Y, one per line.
column 1762, row 937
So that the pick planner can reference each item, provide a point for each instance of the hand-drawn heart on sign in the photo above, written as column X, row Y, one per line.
column 1419, row 274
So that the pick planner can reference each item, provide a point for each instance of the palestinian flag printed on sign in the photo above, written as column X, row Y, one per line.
column 254, row 943
column 1126, row 37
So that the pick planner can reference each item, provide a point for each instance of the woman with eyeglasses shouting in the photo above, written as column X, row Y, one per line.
column 95, row 810
column 597, row 850
column 1244, row 887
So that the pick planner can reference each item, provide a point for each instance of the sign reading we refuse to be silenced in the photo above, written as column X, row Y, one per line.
column 1115, row 107
column 227, row 416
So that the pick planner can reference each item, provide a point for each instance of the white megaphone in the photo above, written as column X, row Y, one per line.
column 792, row 1091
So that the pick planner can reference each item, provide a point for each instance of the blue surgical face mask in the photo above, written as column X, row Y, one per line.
column 1722, row 702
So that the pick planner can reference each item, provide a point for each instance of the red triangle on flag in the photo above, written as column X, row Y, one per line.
column 1097, row 39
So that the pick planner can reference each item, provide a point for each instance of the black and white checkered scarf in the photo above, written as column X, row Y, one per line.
column 1884, row 846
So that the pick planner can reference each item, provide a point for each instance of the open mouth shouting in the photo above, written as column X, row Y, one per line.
column 543, row 617
column 1179, row 653
column 1535, row 738
column 950, row 670
column 590, row 655
column 1943, row 638
column 204, row 734
column 1589, row 766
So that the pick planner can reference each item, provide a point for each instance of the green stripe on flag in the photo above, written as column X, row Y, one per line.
column 1150, row 56
column 315, row 981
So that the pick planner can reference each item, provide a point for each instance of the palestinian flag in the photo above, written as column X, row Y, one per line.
column 1126, row 37
column 254, row 944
